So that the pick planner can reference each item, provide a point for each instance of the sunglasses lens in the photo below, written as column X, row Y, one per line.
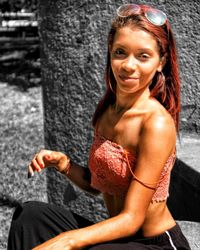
column 156, row 17
column 128, row 9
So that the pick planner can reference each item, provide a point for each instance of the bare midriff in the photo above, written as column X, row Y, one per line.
column 158, row 218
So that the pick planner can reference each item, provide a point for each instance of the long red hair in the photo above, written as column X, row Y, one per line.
column 167, row 92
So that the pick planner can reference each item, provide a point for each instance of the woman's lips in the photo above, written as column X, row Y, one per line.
column 128, row 78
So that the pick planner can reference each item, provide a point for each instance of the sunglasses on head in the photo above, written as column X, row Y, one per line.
column 154, row 16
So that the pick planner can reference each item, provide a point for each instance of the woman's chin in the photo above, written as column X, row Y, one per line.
column 127, row 89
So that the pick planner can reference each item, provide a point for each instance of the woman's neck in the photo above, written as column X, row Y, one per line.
column 128, row 101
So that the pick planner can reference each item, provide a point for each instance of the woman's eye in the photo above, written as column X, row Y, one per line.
column 119, row 52
column 144, row 56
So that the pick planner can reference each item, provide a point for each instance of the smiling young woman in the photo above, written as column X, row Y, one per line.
column 133, row 151
column 135, row 59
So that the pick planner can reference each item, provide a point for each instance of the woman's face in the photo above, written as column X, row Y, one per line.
column 134, row 59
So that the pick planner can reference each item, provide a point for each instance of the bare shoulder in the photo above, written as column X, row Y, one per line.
column 159, row 125
column 160, row 122
column 158, row 118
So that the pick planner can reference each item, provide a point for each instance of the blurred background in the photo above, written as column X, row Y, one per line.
column 19, row 43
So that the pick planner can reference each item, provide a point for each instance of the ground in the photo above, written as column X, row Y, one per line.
column 21, row 135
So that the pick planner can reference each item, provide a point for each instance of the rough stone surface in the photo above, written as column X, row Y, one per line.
column 188, row 148
column 192, row 231
column 73, row 37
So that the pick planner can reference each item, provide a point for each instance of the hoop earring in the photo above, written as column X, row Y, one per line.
column 161, row 78
column 161, row 83
column 111, row 86
column 109, row 83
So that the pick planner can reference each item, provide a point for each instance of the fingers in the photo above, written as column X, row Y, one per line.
column 38, row 161
column 30, row 172
column 43, row 159
column 37, row 164
column 34, row 166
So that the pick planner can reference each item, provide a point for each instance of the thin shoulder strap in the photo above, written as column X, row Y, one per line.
column 147, row 185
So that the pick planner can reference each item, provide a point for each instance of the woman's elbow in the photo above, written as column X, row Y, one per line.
column 133, row 221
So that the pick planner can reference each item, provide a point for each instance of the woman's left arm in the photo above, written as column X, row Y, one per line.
column 157, row 141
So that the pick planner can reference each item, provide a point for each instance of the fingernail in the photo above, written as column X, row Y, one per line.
column 41, row 165
column 30, row 175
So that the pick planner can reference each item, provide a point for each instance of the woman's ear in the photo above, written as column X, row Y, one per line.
column 163, row 61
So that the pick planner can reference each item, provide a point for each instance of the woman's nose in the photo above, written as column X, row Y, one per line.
column 129, row 64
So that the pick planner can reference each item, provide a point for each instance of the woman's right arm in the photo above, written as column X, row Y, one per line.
column 77, row 174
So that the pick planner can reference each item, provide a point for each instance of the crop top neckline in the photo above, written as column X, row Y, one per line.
column 109, row 163
column 115, row 144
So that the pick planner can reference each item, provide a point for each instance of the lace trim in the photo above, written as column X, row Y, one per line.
column 99, row 135
column 114, row 166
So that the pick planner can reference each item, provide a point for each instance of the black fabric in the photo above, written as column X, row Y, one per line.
column 35, row 222
column 160, row 242
column 184, row 190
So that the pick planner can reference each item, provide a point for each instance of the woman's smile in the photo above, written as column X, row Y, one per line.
column 134, row 59
column 128, row 83
column 128, row 78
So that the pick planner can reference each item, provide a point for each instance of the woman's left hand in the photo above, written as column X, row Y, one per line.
column 62, row 241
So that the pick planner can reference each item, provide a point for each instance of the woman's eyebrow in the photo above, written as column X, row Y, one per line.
column 119, row 45
column 146, row 49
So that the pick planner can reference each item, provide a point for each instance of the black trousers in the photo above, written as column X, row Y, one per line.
column 35, row 222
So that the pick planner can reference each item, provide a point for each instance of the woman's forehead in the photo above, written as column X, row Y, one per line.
column 134, row 36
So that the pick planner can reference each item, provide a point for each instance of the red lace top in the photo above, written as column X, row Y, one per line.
column 110, row 163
